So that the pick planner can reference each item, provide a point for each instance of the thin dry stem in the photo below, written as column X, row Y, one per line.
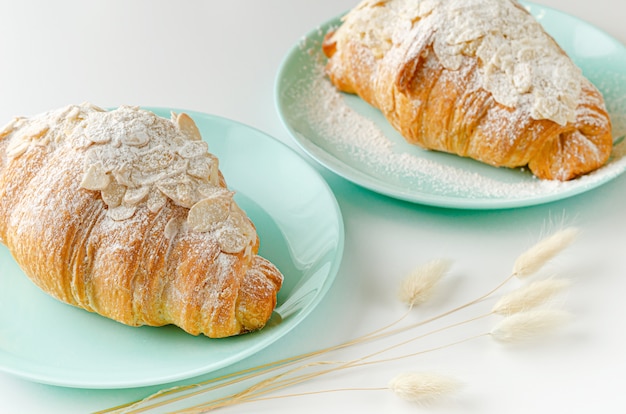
column 202, row 409
column 244, row 375
column 250, row 394
column 268, row 368
column 526, row 264
column 282, row 381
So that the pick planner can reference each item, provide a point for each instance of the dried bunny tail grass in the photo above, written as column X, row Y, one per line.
column 521, row 322
column 528, row 325
column 420, row 284
column 529, row 297
column 423, row 388
column 538, row 255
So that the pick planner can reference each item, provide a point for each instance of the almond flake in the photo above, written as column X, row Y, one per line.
column 135, row 196
column 193, row 149
column 73, row 114
column 241, row 222
column 172, row 228
column 113, row 194
column 208, row 190
column 214, row 177
column 17, row 147
column 122, row 212
column 212, row 210
column 180, row 191
column 232, row 241
column 136, row 138
column 156, row 200
column 37, row 132
column 97, row 137
column 122, row 176
column 95, row 178
column 199, row 168
column 187, row 126
column 81, row 142
column 10, row 127
column 156, row 159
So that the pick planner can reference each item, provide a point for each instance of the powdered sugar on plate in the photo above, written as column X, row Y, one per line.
column 354, row 140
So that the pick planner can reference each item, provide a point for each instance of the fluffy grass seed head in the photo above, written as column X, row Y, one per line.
column 527, row 325
column 419, row 285
column 423, row 388
column 538, row 255
column 530, row 296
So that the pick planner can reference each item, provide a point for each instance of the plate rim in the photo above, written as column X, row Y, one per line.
column 49, row 376
column 375, row 184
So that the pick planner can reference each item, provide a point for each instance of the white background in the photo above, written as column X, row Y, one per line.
column 222, row 58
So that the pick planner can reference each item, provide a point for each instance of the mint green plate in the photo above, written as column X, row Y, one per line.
column 301, row 231
column 353, row 139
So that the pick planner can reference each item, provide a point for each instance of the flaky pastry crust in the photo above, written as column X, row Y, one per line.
column 477, row 78
column 119, row 238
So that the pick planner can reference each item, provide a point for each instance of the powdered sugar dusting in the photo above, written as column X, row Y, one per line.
column 153, row 267
column 134, row 159
column 519, row 64
column 351, row 132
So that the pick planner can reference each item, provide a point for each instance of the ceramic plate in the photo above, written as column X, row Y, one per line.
column 301, row 231
column 351, row 138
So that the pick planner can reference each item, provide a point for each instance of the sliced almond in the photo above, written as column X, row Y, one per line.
column 179, row 191
column 238, row 233
column 95, row 178
column 122, row 212
column 79, row 142
column 187, row 126
column 207, row 190
column 73, row 114
column 136, row 138
column 157, row 158
column 123, row 176
column 134, row 196
column 156, row 200
column 10, row 127
column 36, row 131
column 193, row 149
column 199, row 167
column 17, row 147
column 214, row 176
column 113, row 194
column 241, row 221
column 172, row 228
column 97, row 136
column 94, row 107
column 232, row 241
column 205, row 214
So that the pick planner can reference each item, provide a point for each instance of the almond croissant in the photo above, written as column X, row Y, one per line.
column 126, row 214
column 477, row 78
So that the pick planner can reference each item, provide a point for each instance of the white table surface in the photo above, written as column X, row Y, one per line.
column 222, row 58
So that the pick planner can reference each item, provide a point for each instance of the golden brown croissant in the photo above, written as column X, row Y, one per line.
column 126, row 214
column 477, row 78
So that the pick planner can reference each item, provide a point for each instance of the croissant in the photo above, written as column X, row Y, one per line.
column 127, row 214
column 476, row 78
